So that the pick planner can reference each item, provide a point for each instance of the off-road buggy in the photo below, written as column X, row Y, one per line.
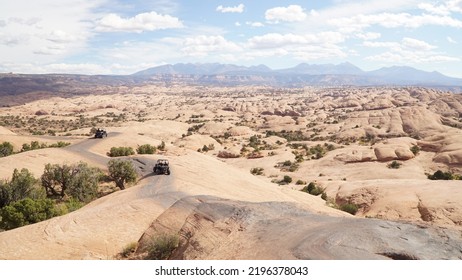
column 100, row 133
column 161, row 167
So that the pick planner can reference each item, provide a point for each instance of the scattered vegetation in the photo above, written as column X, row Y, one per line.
column 78, row 181
column 27, row 211
column 22, row 185
column 6, row 149
column 415, row 149
column 440, row 175
column 286, row 179
column 206, row 148
column 128, row 250
column 288, row 166
column 288, row 135
column 161, row 146
column 257, row 171
column 300, row 182
column 162, row 246
column 313, row 189
column 146, row 149
column 227, row 154
column 121, row 151
column 349, row 208
column 122, row 172
column 394, row 165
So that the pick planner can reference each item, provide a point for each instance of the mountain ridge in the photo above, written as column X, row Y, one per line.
column 305, row 74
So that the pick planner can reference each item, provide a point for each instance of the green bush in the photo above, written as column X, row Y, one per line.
column 27, row 211
column 394, row 165
column 121, row 172
column 129, row 249
column 121, row 151
column 257, row 171
column 77, row 180
column 6, row 149
column 313, row 189
column 415, row 149
column 22, row 185
column 84, row 183
column 349, row 208
column 146, row 149
column 440, row 175
column 162, row 247
column 287, row 179
column 161, row 146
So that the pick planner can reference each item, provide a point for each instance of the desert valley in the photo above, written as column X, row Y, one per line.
column 257, row 171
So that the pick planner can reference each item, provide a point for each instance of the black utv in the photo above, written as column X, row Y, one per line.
column 100, row 133
column 161, row 167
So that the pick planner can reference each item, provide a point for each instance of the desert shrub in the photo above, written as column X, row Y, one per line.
column 415, row 149
column 161, row 146
column 59, row 144
column 288, row 166
column 121, row 151
column 314, row 189
column 440, row 175
column 4, row 193
column 22, row 185
column 349, row 208
column 146, row 149
column 161, row 247
column 257, row 171
column 286, row 180
column 56, row 179
column 129, row 249
column 300, row 182
column 73, row 204
column 394, row 165
column 317, row 151
column 84, row 183
column 226, row 154
column 121, row 172
column 79, row 181
column 27, row 211
column 6, row 149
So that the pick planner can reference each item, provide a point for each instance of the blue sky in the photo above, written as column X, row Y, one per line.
column 122, row 37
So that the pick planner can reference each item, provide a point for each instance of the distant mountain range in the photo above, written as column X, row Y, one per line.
column 345, row 74
column 215, row 74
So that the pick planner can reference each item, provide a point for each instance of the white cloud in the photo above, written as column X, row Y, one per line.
column 236, row 9
column 45, row 32
column 275, row 40
column 62, row 68
column 205, row 45
column 444, row 9
column 390, row 20
column 409, row 50
column 451, row 40
column 411, row 57
column 139, row 23
column 417, row 44
column 255, row 23
column 405, row 44
column 291, row 13
column 368, row 36
column 60, row 36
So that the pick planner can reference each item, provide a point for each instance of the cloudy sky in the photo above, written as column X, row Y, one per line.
column 122, row 37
